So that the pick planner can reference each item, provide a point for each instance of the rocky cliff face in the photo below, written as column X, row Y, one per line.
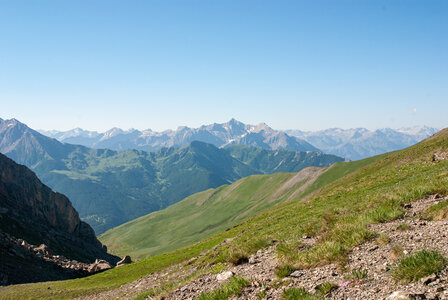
column 31, row 211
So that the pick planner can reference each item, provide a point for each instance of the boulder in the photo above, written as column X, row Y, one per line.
column 398, row 295
column 296, row 274
column 98, row 266
column 253, row 260
column 45, row 250
column 224, row 275
column 125, row 261
column 428, row 279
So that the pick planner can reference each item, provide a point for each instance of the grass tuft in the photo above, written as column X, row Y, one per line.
column 298, row 294
column 240, row 254
column 326, row 288
column 284, row 270
column 233, row 287
column 418, row 265
column 382, row 240
column 437, row 212
column 396, row 251
column 145, row 295
column 357, row 275
column 387, row 212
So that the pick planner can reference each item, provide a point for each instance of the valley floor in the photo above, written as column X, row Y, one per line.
column 371, row 261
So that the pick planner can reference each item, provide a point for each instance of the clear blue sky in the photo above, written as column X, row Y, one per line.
column 160, row 64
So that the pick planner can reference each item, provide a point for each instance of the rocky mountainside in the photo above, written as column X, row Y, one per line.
column 110, row 187
column 358, row 143
column 220, row 135
column 31, row 211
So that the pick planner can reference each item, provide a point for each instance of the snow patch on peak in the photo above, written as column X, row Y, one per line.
column 261, row 127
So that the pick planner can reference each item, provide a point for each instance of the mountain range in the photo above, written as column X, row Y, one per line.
column 110, row 187
column 220, row 135
column 353, row 144
column 359, row 143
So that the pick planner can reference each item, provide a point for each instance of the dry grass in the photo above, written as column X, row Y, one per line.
column 382, row 240
column 396, row 251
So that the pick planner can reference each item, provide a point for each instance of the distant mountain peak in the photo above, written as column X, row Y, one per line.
column 182, row 128
column 13, row 123
column 234, row 121
column 113, row 131
column 233, row 124
column 260, row 127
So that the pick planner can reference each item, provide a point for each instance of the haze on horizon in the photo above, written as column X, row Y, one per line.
column 305, row 65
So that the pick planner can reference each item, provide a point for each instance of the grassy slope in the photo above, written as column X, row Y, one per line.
column 339, row 170
column 339, row 214
column 206, row 213
column 197, row 216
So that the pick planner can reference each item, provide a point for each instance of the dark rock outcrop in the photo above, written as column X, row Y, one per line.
column 32, row 212
column 125, row 261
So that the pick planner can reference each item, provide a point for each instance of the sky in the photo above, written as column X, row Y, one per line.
column 161, row 64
